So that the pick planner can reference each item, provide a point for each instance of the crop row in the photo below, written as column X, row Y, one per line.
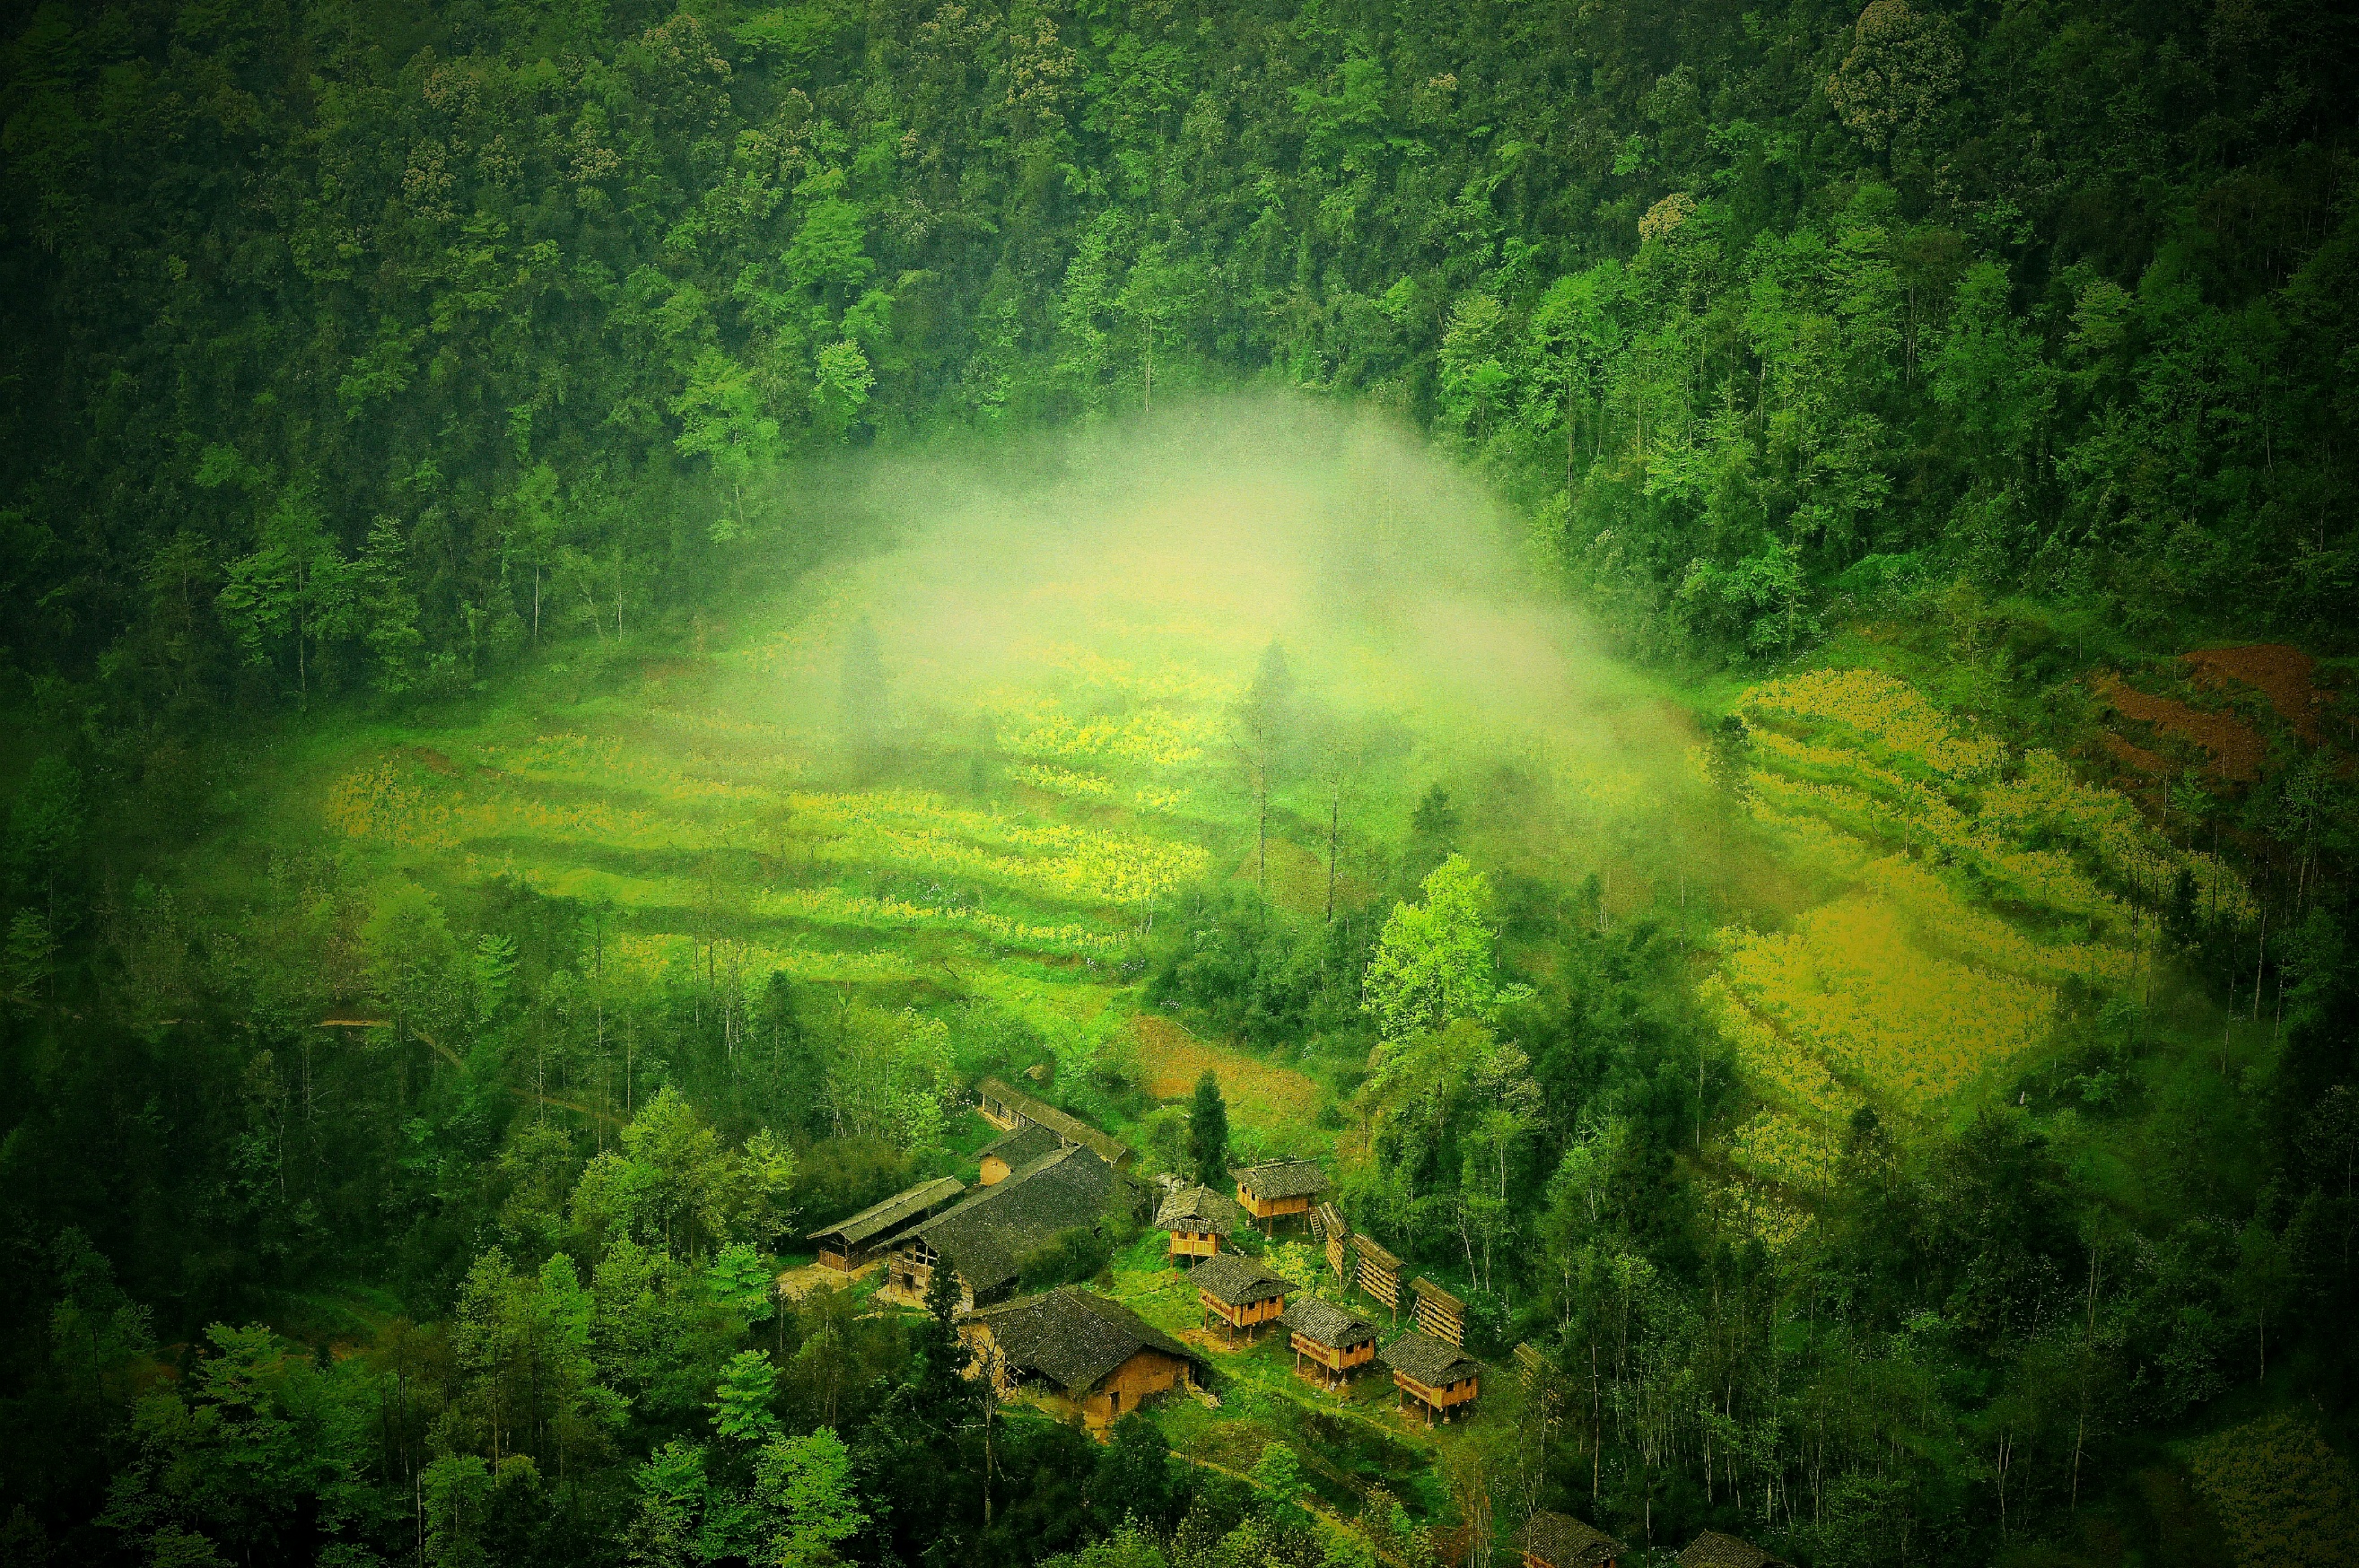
column 1038, row 728
column 1788, row 1068
column 917, row 831
column 1883, row 713
column 833, row 906
column 1943, row 920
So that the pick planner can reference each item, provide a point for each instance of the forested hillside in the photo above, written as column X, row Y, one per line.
column 355, row 345
column 1709, row 652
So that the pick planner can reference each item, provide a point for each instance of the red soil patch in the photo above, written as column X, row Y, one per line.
column 2235, row 751
column 2278, row 673
column 2137, row 757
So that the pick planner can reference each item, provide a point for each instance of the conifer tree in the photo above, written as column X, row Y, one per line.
column 1208, row 1132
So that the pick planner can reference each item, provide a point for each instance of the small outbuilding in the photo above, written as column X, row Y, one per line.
column 1082, row 1351
column 1003, row 1157
column 1437, row 1312
column 1561, row 1541
column 1239, row 1290
column 1199, row 1219
column 849, row 1244
column 1379, row 1272
column 1714, row 1550
column 1338, row 1343
column 1435, row 1373
column 1271, row 1192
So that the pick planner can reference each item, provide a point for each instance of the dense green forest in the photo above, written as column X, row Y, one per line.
column 406, row 404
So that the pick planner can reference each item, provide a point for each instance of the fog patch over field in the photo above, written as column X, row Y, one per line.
column 1067, row 599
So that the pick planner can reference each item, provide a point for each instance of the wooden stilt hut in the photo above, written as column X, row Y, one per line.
column 1435, row 1373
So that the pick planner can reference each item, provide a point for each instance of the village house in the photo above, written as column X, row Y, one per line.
column 1199, row 1219
column 1011, row 1109
column 1239, row 1290
column 1003, row 1157
column 987, row 1236
column 1714, row 1550
column 1081, row 1352
column 851, row 1244
column 1337, row 1341
column 1561, row 1541
column 1438, row 1312
column 1271, row 1192
column 1435, row 1373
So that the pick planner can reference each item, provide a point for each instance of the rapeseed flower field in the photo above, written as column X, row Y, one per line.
column 1973, row 880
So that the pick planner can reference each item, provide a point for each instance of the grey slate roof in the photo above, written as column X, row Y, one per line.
column 881, row 1220
column 1283, row 1179
column 1325, row 1323
column 1433, row 1362
column 1562, row 1540
column 1074, row 1336
column 987, row 1235
column 1021, row 1147
column 1069, row 1128
column 1714, row 1550
column 1200, row 1208
column 1235, row 1280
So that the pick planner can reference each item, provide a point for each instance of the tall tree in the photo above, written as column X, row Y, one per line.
column 1208, row 1132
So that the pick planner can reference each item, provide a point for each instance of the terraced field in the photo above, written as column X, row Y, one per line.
column 1969, row 882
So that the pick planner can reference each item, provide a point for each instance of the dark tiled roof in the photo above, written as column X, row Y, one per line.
column 1071, row 1128
column 1200, row 1208
column 1023, row 1146
column 1438, row 1296
column 1433, row 1362
column 1073, row 1337
column 1714, row 1550
column 879, row 1219
column 1235, row 1280
column 1562, row 1540
column 1283, row 1179
column 988, row 1235
column 1325, row 1323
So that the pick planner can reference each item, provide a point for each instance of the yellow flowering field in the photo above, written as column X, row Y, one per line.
column 1848, row 984
column 918, row 831
column 1888, row 714
column 1941, row 920
column 1792, row 1070
column 1781, row 1149
column 1064, row 781
column 833, row 906
column 379, row 804
column 1037, row 727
